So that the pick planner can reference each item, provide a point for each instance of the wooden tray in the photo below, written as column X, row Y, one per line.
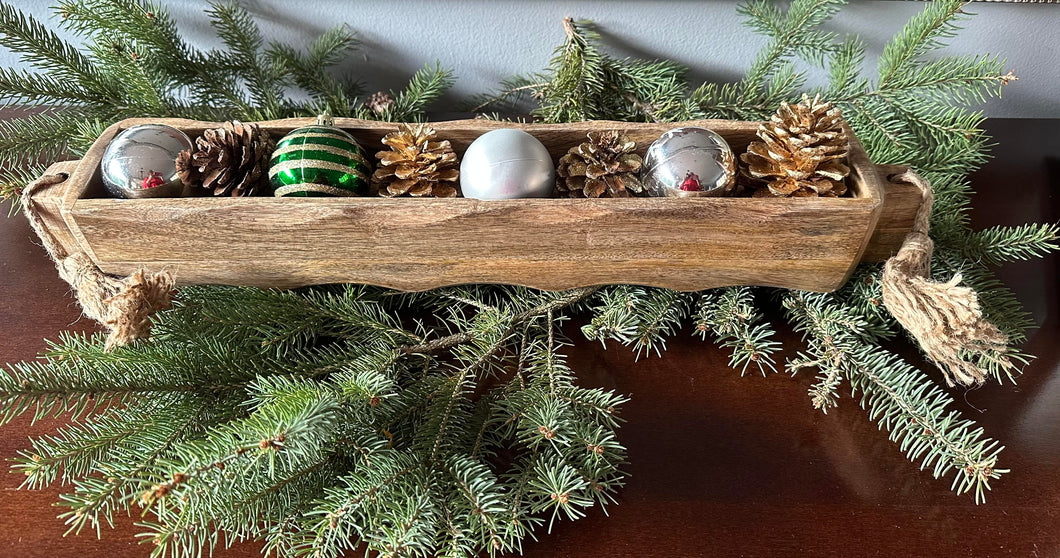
column 417, row 244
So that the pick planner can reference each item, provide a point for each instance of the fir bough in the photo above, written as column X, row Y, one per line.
column 916, row 112
column 448, row 422
column 135, row 63
column 449, row 436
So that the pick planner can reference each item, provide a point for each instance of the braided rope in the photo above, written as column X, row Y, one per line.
column 943, row 317
column 124, row 306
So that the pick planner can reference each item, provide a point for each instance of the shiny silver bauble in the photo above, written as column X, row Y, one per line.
column 140, row 162
column 507, row 164
column 687, row 162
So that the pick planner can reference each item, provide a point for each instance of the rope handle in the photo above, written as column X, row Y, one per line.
column 123, row 305
column 945, row 318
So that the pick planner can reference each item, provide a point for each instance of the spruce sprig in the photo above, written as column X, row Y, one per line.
column 730, row 315
column 898, row 396
column 584, row 83
column 915, row 112
column 134, row 63
column 449, row 422
column 246, row 433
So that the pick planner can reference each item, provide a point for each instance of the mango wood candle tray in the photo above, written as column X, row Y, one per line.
column 416, row 244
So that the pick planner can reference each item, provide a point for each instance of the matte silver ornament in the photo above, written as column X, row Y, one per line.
column 140, row 162
column 507, row 164
column 689, row 162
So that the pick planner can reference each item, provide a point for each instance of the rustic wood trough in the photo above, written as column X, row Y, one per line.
column 416, row 244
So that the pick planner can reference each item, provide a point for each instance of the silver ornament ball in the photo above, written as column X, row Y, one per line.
column 140, row 162
column 689, row 162
column 507, row 164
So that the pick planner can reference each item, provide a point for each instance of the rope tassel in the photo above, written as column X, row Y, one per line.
column 945, row 318
column 123, row 306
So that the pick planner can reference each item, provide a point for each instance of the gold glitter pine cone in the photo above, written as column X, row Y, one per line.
column 416, row 165
column 603, row 167
column 232, row 160
column 802, row 152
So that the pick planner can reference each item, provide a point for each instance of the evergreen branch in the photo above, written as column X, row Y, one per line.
column 863, row 293
column 482, row 499
column 511, row 92
column 762, row 16
column 281, row 440
column 21, row 86
column 898, row 396
column 663, row 311
column 309, row 70
column 954, row 79
column 729, row 314
column 614, row 317
column 923, row 33
column 333, row 525
column 243, row 39
column 435, row 345
column 793, row 34
column 120, row 478
column 139, row 24
column 998, row 245
column 723, row 101
column 41, row 47
column 426, row 86
column 13, row 181
column 73, row 451
column 844, row 72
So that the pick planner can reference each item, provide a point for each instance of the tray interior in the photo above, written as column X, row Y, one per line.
column 557, row 138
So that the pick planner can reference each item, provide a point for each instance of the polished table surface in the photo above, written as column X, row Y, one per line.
column 720, row 465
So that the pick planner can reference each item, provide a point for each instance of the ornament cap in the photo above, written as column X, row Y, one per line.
column 325, row 119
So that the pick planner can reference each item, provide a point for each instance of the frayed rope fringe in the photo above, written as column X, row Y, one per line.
column 943, row 317
column 124, row 306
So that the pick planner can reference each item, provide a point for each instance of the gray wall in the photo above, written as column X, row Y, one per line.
column 485, row 41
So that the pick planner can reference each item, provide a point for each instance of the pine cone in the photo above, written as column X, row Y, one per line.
column 802, row 153
column 603, row 167
column 416, row 165
column 231, row 160
column 380, row 103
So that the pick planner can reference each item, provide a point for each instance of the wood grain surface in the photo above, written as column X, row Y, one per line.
column 416, row 244
column 720, row 465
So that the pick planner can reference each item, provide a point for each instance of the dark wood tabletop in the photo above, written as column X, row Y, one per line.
column 720, row 465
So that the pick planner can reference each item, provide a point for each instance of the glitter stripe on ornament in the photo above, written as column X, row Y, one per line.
column 342, row 148
column 315, row 155
column 314, row 164
column 295, row 189
column 338, row 138
column 321, row 132
column 298, row 138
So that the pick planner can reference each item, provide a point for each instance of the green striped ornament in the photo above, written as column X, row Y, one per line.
column 319, row 160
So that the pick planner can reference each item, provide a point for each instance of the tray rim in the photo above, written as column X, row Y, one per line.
column 867, row 202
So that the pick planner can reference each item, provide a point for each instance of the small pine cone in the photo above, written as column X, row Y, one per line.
column 416, row 165
column 802, row 152
column 380, row 103
column 603, row 167
column 231, row 160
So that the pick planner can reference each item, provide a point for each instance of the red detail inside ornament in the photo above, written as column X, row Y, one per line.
column 691, row 183
column 153, row 180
